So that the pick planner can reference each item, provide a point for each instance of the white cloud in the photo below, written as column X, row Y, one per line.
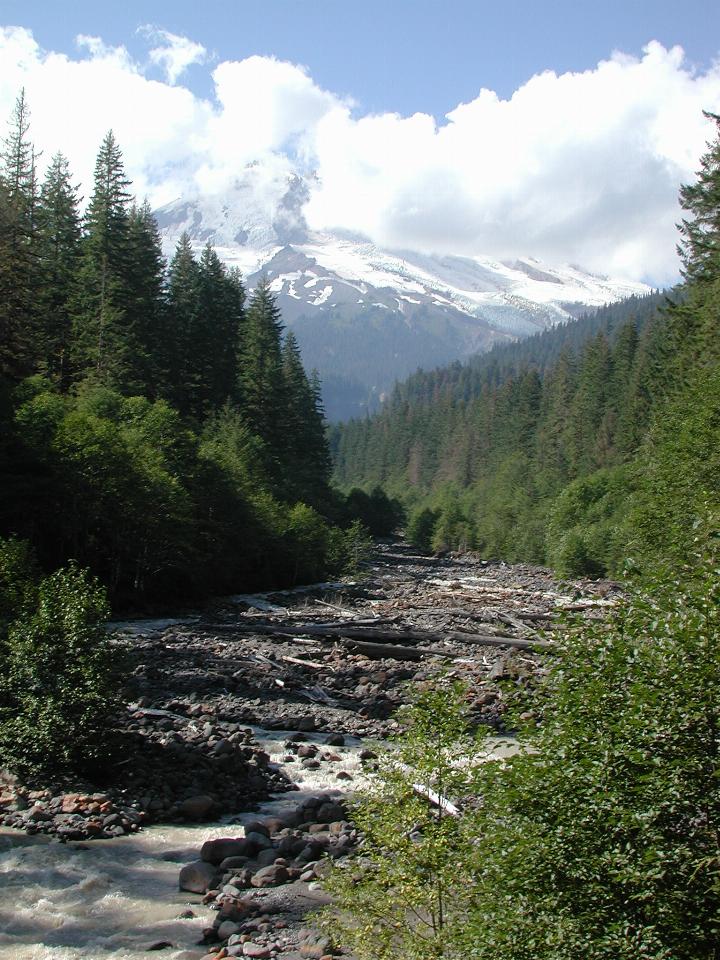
column 174, row 53
column 579, row 167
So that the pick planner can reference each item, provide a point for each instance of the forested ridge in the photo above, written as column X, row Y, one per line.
column 581, row 447
column 155, row 426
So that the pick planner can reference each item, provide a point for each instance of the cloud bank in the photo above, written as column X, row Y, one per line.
column 579, row 167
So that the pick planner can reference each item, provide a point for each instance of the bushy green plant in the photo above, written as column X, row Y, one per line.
column 421, row 528
column 61, row 680
column 399, row 897
column 599, row 839
column 349, row 550
column 587, row 524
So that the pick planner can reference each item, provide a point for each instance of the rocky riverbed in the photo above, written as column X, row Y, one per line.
column 266, row 703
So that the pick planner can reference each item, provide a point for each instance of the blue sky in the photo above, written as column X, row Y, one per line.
column 393, row 55
column 560, row 130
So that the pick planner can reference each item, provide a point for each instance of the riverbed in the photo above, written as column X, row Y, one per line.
column 275, row 664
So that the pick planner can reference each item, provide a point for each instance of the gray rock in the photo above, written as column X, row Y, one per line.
column 227, row 928
column 266, row 857
column 271, row 876
column 197, row 877
column 215, row 851
column 256, row 950
column 329, row 812
column 257, row 826
column 257, row 841
column 233, row 863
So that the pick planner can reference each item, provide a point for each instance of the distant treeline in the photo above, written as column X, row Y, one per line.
column 581, row 447
column 153, row 426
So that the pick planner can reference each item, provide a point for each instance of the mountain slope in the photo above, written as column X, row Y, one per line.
column 364, row 316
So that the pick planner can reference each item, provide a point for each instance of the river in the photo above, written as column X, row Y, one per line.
column 116, row 898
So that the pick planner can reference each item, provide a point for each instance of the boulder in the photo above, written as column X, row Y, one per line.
column 227, row 928
column 215, row 851
column 196, row 808
column 257, row 826
column 266, row 857
column 197, row 877
column 329, row 812
column 271, row 876
column 257, row 841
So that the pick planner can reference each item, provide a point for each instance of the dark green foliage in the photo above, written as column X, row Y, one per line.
column 597, row 840
column 376, row 511
column 18, row 584
column 587, row 531
column 421, row 528
column 401, row 899
column 603, row 841
column 147, row 430
column 60, row 682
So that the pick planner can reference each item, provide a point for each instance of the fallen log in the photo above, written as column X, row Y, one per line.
column 386, row 636
column 393, row 651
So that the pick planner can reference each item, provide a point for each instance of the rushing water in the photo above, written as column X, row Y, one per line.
column 116, row 898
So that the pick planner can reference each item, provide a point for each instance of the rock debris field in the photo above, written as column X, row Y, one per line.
column 279, row 698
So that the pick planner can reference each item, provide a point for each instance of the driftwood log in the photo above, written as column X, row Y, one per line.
column 347, row 632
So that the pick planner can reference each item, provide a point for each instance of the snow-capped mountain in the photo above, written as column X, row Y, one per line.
column 364, row 316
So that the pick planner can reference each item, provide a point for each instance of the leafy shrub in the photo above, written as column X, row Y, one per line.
column 61, row 679
column 421, row 528
column 398, row 899
column 598, row 840
column 586, row 531
column 349, row 550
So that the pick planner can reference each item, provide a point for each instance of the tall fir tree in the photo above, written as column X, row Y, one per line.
column 59, row 256
column 306, row 457
column 699, row 245
column 103, row 339
column 182, row 319
column 145, row 305
column 260, row 375
column 217, row 333
column 19, row 274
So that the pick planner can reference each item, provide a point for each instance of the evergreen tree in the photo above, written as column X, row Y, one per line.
column 221, row 300
column 104, row 343
column 18, row 248
column 261, row 381
column 183, row 312
column 306, row 456
column 59, row 253
column 145, row 304
column 699, row 246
